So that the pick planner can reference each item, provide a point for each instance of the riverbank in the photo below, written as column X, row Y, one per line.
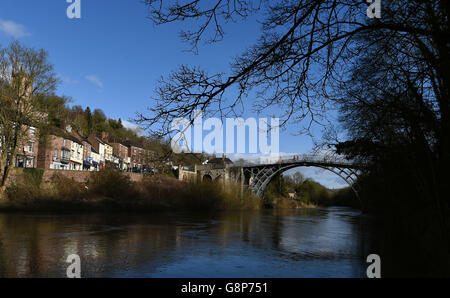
column 112, row 191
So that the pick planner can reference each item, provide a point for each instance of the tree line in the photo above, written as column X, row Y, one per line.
column 308, row 192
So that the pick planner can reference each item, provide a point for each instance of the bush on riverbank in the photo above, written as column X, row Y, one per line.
column 112, row 190
column 308, row 194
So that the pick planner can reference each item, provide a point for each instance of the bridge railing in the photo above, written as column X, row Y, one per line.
column 188, row 168
column 303, row 158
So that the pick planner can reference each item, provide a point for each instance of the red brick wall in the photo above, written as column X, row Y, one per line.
column 83, row 176
column 78, row 176
column 45, row 157
column 120, row 150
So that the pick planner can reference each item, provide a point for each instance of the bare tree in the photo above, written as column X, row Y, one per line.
column 305, row 49
column 24, row 74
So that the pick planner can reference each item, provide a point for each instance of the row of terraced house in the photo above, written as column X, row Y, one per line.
column 68, row 150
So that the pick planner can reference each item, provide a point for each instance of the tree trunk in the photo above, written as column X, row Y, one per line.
column 8, row 164
column 6, row 172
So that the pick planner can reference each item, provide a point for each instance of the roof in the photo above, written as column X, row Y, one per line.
column 81, row 138
column 129, row 143
column 73, row 139
column 100, row 140
column 115, row 140
column 217, row 160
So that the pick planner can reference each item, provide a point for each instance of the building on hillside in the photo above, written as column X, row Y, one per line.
column 148, row 160
column 87, row 148
column 27, row 150
column 95, row 160
column 223, row 161
column 76, row 154
column 121, row 151
column 109, row 151
column 100, row 148
column 116, row 162
column 136, row 156
column 55, row 154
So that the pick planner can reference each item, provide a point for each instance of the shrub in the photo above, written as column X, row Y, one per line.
column 111, row 184
column 160, row 192
column 21, row 193
column 66, row 189
column 33, row 176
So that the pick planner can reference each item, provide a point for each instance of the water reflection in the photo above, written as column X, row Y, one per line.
column 271, row 243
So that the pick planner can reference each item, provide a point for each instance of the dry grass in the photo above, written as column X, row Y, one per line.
column 112, row 190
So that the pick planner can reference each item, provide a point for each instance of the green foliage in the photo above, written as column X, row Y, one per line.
column 33, row 176
column 315, row 193
column 81, row 120
column 308, row 192
column 21, row 193
column 277, row 187
column 111, row 184
column 65, row 190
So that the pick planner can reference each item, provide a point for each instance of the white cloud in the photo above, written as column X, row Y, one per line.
column 13, row 29
column 138, row 130
column 94, row 80
column 68, row 80
column 324, row 177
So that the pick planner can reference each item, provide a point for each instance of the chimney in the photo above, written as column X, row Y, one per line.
column 104, row 136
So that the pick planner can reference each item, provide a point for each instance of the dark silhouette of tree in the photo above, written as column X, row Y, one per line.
column 394, row 120
column 306, row 47
column 389, row 78
column 89, row 124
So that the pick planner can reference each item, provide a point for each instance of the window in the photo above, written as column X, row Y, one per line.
column 30, row 147
column 32, row 131
column 55, row 154
column 64, row 143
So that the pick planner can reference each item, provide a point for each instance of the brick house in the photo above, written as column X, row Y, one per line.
column 121, row 152
column 136, row 155
column 27, row 150
column 100, row 147
column 55, row 154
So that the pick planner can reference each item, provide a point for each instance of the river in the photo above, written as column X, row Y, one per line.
column 324, row 242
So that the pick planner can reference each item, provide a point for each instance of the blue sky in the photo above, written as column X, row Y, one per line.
column 113, row 56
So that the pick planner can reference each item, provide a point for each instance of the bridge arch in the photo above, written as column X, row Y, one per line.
column 207, row 178
column 258, row 177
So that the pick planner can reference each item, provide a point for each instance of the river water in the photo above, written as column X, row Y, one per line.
column 329, row 242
